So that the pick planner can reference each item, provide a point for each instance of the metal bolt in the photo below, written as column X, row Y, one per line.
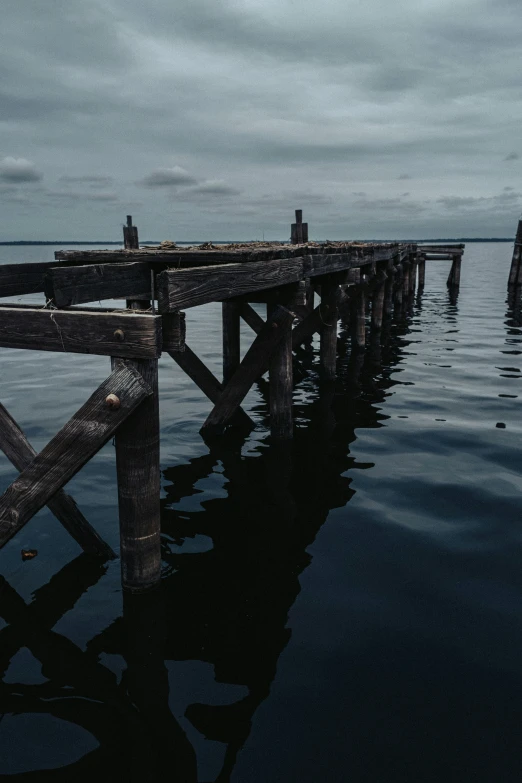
column 113, row 402
column 119, row 335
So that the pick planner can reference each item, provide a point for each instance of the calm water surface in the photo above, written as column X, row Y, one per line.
column 347, row 608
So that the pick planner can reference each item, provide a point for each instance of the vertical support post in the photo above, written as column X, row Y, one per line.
column 138, row 468
column 454, row 275
column 422, row 272
column 281, row 385
column 130, row 235
column 397, row 305
column 359, row 326
column 377, row 306
column 231, row 317
column 328, row 337
column 413, row 275
column 406, row 281
column 515, row 274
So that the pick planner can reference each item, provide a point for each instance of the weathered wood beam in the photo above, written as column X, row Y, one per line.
column 254, row 364
column 205, row 380
column 325, row 311
column 137, row 442
column 180, row 288
column 19, row 451
column 82, row 437
column 378, row 305
column 328, row 344
column 515, row 277
column 174, row 331
column 20, row 279
column 71, row 285
column 81, row 331
column 451, row 249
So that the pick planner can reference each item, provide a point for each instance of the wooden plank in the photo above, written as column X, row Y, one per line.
column 332, row 262
column 84, row 435
column 452, row 249
column 181, row 288
column 72, row 285
column 254, row 364
column 192, row 365
column 19, row 451
column 81, row 331
column 138, row 466
column 280, row 376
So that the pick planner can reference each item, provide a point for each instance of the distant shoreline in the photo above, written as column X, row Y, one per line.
column 28, row 243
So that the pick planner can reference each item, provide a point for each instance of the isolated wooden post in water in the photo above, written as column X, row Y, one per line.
column 299, row 230
column 138, row 468
column 454, row 275
column 515, row 275
column 231, row 318
column 281, row 383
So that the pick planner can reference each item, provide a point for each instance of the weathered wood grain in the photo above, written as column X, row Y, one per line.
column 71, row 285
column 254, row 364
column 19, row 451
column 174, row 331
column 81, row 331
column 74, row 445
column 137, row 462
column 20, row 279
column 181, row 288
column 328, row 343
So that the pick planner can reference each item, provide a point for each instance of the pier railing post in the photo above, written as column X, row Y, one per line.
column 138, row 467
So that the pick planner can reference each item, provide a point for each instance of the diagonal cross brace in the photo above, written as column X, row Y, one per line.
column 70, row 449
column 19, row 451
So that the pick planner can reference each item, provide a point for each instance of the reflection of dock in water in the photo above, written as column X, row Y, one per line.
column 227, row 606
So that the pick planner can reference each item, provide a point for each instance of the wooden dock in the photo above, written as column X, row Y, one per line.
column 158, row 284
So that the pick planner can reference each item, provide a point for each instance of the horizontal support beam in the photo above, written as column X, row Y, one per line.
column 452, row 249
column 72, row 285
column 74, row 445
column 21, row 279
column 181, row 288
column 19, row 451
column 120, row 333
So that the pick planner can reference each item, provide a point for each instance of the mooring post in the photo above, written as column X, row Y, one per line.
column 280, row 375
column 515, row 276
column 231, row 318
column 422, row 272
column 130, row 235
column 298, row 230
column 137, row 443
column 328, row 334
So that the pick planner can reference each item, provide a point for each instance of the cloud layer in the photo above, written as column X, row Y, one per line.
column 223, row 116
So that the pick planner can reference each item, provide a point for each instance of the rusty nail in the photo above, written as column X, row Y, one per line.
column 119, row 335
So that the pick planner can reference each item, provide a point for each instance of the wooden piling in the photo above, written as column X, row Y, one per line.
column 454, row 275
column 378, row 306
column 231, row 318
column 515, row 272
column 138, row 469
column 328, row 340
column 422, row 273
column 359, row 323
column 299, row 230
column 281, row 383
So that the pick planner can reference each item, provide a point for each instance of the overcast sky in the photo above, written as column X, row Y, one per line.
column 215, row 119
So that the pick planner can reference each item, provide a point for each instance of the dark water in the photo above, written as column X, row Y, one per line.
column 347, row 608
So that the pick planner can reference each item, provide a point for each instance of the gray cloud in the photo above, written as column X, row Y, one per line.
column 18, row 170
column 217, row 104
column 512, row 156
column 167, row 177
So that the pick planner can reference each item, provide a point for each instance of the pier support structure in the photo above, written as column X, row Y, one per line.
column 158, row 285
